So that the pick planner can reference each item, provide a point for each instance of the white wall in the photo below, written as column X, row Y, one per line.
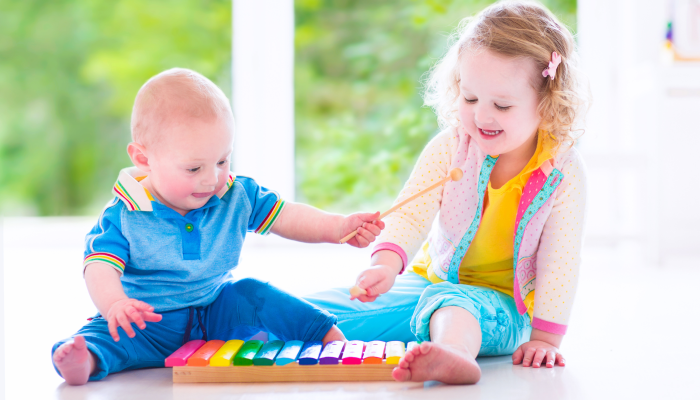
column 263, row 92
column 641, row 138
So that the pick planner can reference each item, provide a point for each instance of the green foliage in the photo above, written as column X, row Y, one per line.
column 360, row 124
column 69, row 71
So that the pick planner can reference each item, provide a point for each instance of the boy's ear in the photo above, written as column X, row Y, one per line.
column 138, row 156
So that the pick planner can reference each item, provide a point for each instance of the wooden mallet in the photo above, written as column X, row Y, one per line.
column 455, row 175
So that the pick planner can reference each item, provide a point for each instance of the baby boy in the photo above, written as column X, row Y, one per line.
column 162, row 251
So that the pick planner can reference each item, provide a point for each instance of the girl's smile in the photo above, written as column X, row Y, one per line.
column 488, row 135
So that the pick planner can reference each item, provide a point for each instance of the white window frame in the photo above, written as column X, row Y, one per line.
column 263, row 92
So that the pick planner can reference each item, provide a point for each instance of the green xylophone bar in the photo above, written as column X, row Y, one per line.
column 247, row 352
column 266, row 356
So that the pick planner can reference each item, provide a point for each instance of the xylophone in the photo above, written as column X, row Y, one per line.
column 277, row 361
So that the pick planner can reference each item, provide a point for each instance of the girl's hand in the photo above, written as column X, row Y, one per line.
column 535, row 351
column 376, row 281
column 367, row 226
column 124, row 312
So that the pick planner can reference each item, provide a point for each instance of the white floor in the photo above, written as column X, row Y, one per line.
column 633, row 333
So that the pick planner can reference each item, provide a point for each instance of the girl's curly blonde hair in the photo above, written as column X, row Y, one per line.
column 515, row 29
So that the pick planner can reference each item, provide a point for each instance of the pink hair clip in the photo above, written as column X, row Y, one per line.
column 551, row 70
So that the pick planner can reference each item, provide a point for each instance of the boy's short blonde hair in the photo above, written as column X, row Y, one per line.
column 515, row 29
column 173, row 96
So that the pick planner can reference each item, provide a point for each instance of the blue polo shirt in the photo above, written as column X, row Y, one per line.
column 172, row 261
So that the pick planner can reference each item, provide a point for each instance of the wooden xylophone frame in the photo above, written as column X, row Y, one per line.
column 286, row 373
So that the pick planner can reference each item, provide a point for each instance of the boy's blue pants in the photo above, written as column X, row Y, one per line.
column 242, row 309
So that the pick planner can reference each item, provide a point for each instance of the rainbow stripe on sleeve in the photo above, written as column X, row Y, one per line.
column 271, row 217
column 108, row 258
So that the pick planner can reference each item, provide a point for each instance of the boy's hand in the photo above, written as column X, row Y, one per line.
column 376, row 281
column 124, row 312
column 535, row 351
column 367, row 226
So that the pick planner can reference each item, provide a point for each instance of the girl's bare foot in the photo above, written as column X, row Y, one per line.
column 74, row 361
column 438, row 362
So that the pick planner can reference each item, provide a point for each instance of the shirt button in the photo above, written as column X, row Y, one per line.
column 189, row 227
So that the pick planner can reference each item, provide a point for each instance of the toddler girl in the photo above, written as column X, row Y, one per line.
column 497, row 273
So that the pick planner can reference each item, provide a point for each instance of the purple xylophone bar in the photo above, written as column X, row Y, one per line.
column 331, row 353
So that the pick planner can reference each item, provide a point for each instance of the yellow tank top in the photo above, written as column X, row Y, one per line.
column 489, row 260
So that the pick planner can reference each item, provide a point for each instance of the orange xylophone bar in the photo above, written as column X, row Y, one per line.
column 293, row 361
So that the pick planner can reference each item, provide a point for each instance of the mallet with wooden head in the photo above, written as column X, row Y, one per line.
column 454, row 175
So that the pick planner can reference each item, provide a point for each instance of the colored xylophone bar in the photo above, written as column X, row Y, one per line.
column 293, row 361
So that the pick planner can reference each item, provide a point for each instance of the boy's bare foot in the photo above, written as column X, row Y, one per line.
column 438, row 362
column 74, row 361
column 333, row 334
